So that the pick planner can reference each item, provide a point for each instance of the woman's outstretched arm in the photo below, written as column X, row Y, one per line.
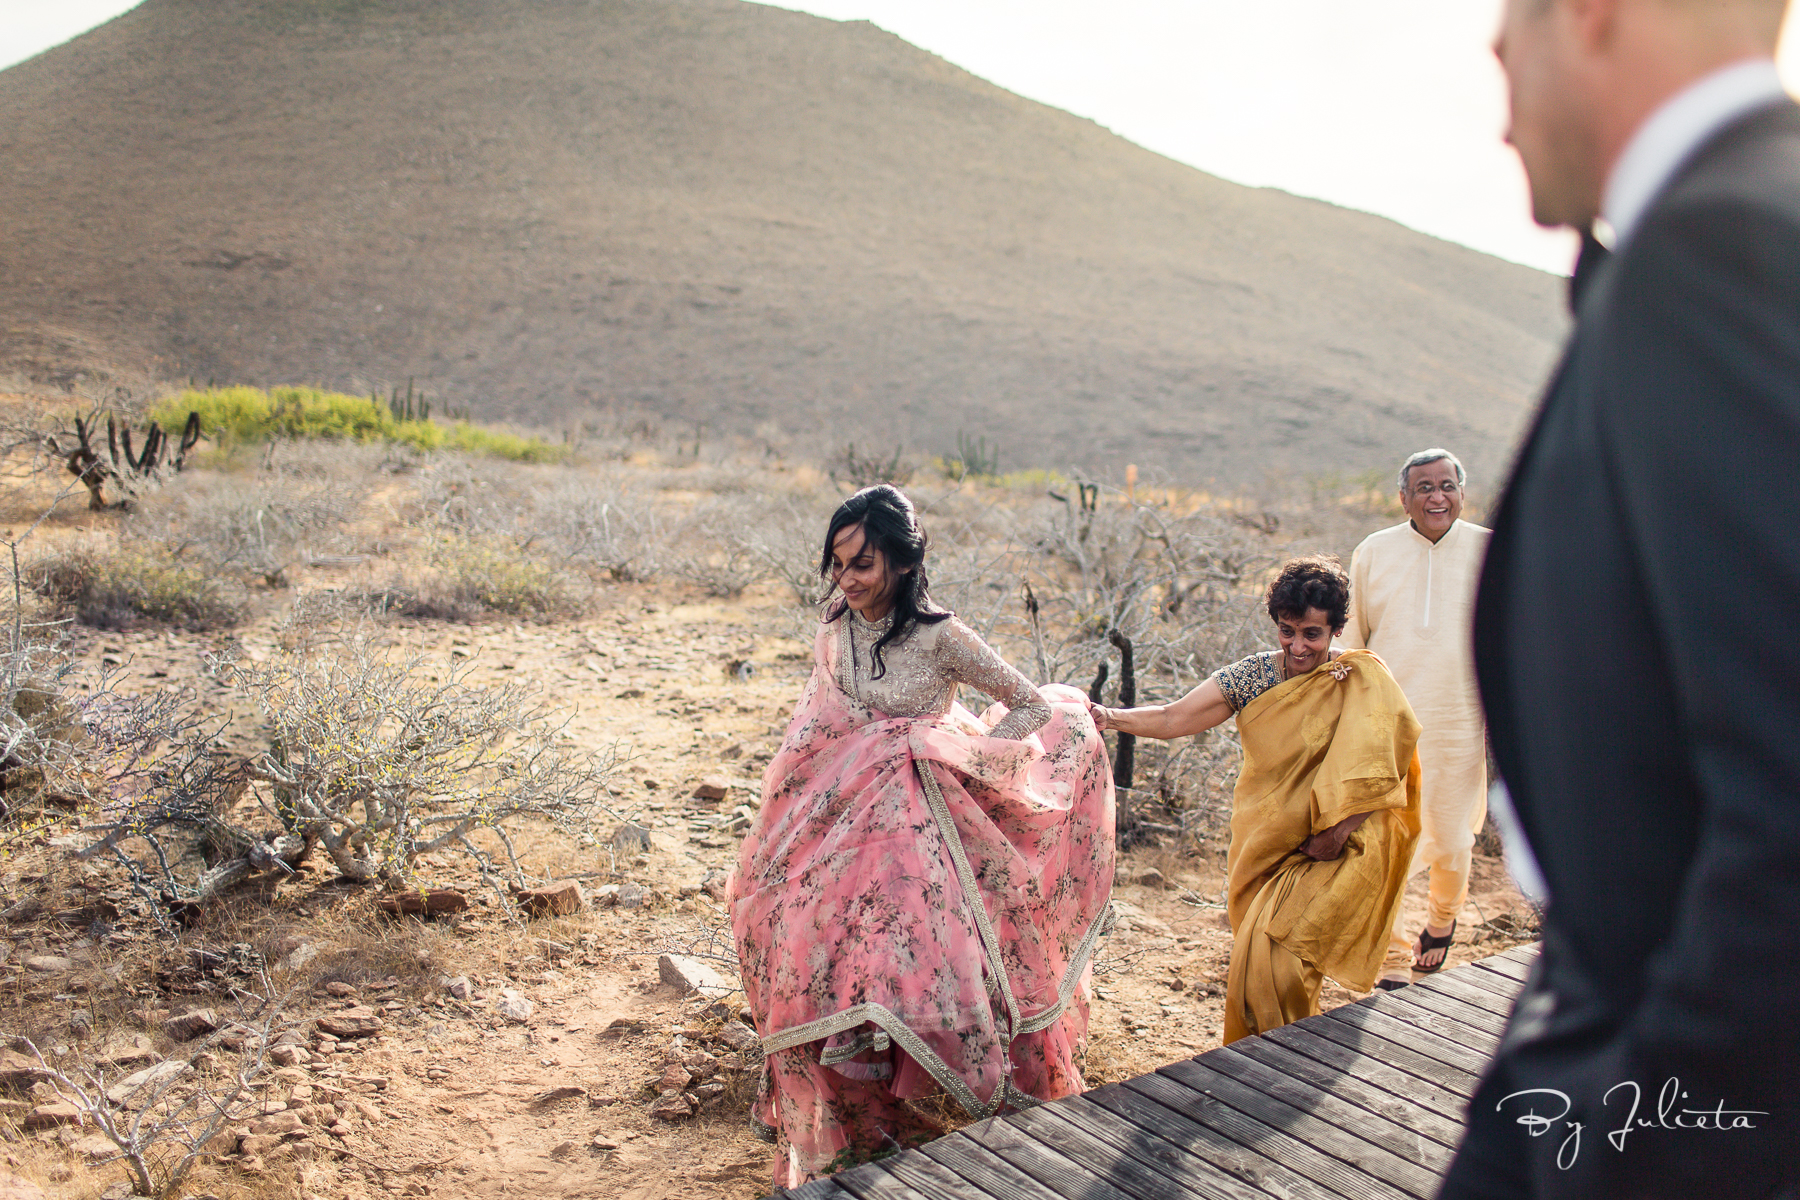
column 1199, row 710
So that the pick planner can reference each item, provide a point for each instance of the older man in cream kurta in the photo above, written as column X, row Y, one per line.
column 1412, row 592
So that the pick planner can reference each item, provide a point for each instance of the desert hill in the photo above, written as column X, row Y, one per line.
column 726, row 214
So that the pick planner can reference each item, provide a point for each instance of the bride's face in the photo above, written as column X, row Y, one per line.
column 860, row 571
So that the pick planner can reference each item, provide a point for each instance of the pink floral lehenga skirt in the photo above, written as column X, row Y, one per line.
column 915, row 908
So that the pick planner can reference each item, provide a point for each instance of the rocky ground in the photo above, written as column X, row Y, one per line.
column 467, row 1056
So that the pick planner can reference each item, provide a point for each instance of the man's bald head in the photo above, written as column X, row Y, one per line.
column 1584, row 74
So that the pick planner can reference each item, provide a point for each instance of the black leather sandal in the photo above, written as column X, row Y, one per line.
column 1427, row 944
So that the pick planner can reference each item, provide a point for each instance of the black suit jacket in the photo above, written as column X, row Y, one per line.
column 1638, row 647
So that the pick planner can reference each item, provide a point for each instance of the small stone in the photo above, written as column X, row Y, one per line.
column 15, row 1187
column 277, row 1123
column 253, row 1144
column 48, row 1116
column 606, row 895
column 675, row 1078
column 1150, row 877
column 713, row 787
column 630, row 838
column 339, row 988
column 351, row 1023
column 692, row 975
column 460, row 987
column 139, row 1087
column 289, row 1037
column 299, row 957
column 191, row 1025
column 94, row 1145
column 557, row 900
column 740, row 1037
column 135, row 1050
column 430, row 902
column 603, row 1143
column 514, row 1007
column 17, row 1070
column 550, row 949
column 288, row 1056
column 48, row 964
column 706, row 1093
column 633, row 895
column 674, row 1106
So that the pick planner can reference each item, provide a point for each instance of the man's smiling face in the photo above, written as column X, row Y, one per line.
column 1433, row 497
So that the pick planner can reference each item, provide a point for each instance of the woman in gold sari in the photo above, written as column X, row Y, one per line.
column 1327, row 803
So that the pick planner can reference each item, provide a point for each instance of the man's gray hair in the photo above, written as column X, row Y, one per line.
column 1435, row 454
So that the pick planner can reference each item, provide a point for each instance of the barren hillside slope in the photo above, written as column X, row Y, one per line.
column 727, row 214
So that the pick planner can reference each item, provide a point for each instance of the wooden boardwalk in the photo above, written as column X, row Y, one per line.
column 1365, row 1102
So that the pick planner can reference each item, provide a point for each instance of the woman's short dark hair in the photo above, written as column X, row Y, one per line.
column 1316, row 581
column 889, row 524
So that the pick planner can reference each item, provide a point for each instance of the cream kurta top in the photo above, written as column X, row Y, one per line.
column 1412, row 603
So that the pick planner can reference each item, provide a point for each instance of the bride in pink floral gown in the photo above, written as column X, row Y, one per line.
column 917, row 902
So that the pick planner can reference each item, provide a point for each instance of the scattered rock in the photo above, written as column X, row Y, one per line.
column 300, row 957
column 48, row 1116
column 460, row 987
column 633, row 895
column 191, row 1025
column 675, row 1078
column 630, row 838
column 674, row 1106
column 1150, row 877
column 568, row 1092
column 602, row 1101
column 714, row 884
column 288, row 1056
column 606, row 895
column 254, row 1144
column 706, row 1093
column 602, row 1143
column 17, row 1070
column 289, row 1037
column 48, row 964
column 514, row 1007
column 358, row 1022
column 95, row 1145
column 713, row 787
column 550, row 949
column 430, row 903
column 137, row 1088
column 15, row 1187
column 339, row 988
column 557, row 900
column 121, row 1052
column 692, row 975
column 740, row 1037
column 1129, row 917
column 277, row 1123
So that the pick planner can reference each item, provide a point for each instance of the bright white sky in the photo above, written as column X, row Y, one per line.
column 1392, row 106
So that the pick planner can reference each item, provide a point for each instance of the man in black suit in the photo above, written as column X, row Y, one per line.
column 1638, row 622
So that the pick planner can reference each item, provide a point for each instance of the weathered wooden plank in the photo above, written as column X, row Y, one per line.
column 872, row 1182
column 1418, row 1086
column 1357, row 1036
column 1352, row 1100
column 1475, row 975
column 997, row 1177
column 1067, row 1134
column 1519, row 959
column 1335, row 1175
column 1422, row 1014
column 1371, row 1126
column 1399, row 1171
column 1383, row 1024
column 934, row 1180
column 1466, row 986
column 1055, row 1172
column 1139, row 1112
column 818, row 1189
column 1476, row 1019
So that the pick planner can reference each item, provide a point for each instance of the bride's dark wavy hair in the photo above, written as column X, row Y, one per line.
column 890, row 524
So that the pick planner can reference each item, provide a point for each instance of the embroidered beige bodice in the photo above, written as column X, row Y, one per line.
column 924, row 667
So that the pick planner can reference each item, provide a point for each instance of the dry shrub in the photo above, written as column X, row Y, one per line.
column 465, row 578
column 133, row 585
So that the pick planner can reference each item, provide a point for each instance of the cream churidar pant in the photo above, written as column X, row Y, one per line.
column 1411, row 603
column 1338, row 741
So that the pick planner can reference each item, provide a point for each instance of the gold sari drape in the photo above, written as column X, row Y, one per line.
column 1338, row 741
